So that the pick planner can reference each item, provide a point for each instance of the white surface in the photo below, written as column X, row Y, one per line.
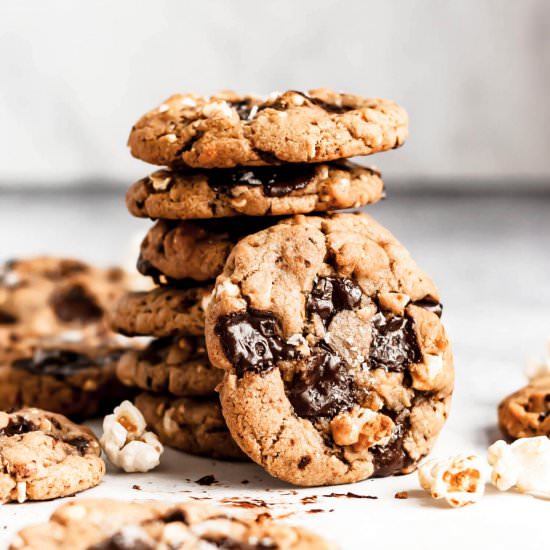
column 490, row 258
column 474, row 75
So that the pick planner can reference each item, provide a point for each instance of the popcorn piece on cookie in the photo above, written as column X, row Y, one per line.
column 460, row 479
column 126, row 442
column 524, row 465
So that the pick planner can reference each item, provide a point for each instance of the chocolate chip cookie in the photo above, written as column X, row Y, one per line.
column 195, row 426
column 163, row 311
column 76, row 380
column 254, row 191
column 90, row 524
column 337, row 366
column 45, row 456
column 46, row 296
column 227, row 130
column 176, row 364
column 179, row 250
column 526, row 413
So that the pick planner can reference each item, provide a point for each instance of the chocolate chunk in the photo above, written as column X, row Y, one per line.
column 430, row 305
column 245, row 108
column 304, row 462
column 7, row 318
column 207, row 480
column 325, row 388
column 175, row 516
column 393, row 457
column 81, row 444
column 17, row 426
column 226, row 543
column 331, row 295
column 60, row 363
column 74, row 304
column 394, row 345
column 252, row 341
column 275, row 181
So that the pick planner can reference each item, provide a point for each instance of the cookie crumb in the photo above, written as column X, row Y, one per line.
column 137, row 487
column 207, row 480
column 401, row 495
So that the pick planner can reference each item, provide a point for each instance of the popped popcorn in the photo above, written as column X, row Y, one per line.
column 126, row 442
column 523, row 465
column 459, row 479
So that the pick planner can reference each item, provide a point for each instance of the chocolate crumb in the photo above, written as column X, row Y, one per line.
column 315, row 511
column 136, row 487
column 207, row 480
column 245, row 481
column 349, row 495
column 401, row 495
column 309, row 500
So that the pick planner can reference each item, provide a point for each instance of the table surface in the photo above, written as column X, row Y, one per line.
column 489, row 255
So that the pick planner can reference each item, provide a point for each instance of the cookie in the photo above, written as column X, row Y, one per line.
column 228, row 130
column 337, row 366
column 94, row 524
column 76, row 380
column 46, row 296
column 195, row 426
column 163, row 311
column 45, row 456
column 526, row 413
column 254, row 191
column 177, row 365
column 181, row 250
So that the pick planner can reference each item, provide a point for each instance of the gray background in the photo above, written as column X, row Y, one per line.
column 473, row 74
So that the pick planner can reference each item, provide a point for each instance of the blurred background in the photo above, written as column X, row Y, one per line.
column 469, row 193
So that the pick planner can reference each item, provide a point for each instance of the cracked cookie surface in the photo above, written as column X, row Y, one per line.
column 76, row 380
column 337, row 366
column 227, row 130
column 180, row 250
column 45, row 456
column 193, row 425
column 526, row 413
column 177, row 365
column 163, row 311
column 254, row 191
column 94, row 524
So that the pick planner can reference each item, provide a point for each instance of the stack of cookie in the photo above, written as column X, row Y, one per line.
column 327, row 348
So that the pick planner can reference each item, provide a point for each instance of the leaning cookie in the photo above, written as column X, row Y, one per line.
column 195, row 426
column 110, row 524
column 227, row 130
column 77, row 380
column 177, row 365
column 57, row 297
column 181, row 250
column 337, row 365
column 46, row 456
column 254, row 191
column 526, row 413
column 163, row 311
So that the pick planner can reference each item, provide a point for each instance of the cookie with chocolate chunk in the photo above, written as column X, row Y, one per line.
column 254, row 191
column 76, row 380
column 337, row 366
column 193, row 425
column 163, row 311
column 57, row 297
column 45, row 456
column 227, row 129
column 177, row 365
column 180, row 250
column 526, row 413
column 91, row 524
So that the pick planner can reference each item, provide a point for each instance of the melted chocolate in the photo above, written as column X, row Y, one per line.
column 325, row 388
column 252, row 341
column 61, row 363
column 120, row 541
column 176, row 515
column 331, row 295
column 245, row 108
column 74, row 304
column 275, row 181
column 227, row 543
column 7, row 318
column 430, row 305
column 18, row 425
column 81, row 444
column 394, row 346
column 393, row 457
